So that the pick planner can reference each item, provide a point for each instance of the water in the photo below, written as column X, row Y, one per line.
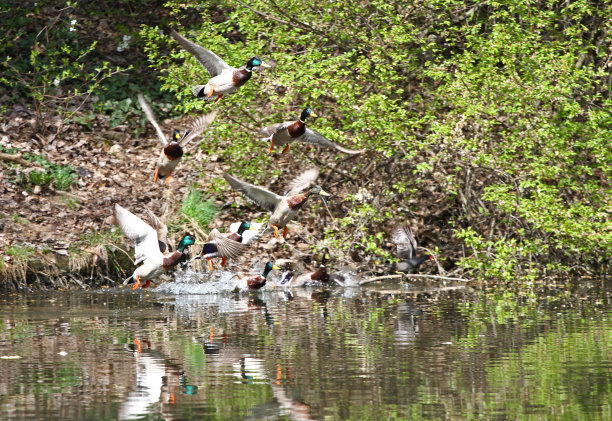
column 351, row 353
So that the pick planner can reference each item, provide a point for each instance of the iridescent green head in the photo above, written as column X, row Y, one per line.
column 185, row 242
column 269, row 266
column 245, row 225
column 307, row 113
column 254, row 62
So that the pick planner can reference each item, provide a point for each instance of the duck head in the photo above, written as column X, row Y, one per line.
column 269, row 266
column 185, row 242
column 316, row 189
column 307, row 113
column 255, row 62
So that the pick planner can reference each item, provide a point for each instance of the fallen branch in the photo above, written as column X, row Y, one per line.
column 380, row 278
column 16, row 158
column 419, row 291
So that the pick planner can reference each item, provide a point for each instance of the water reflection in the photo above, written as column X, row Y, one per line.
column 301, row 354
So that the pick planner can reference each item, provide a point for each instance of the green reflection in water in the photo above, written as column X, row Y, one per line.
column 454, row 356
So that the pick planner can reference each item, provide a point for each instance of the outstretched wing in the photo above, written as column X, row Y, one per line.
column 160, row 228
column 212, row 62
column 273, row 128
column 226, row 247
column 404, row 239
column 316, row 138
column 264, row 198
column 199, row 125
column 143, row 235
column 303, row 181
column 151, row 117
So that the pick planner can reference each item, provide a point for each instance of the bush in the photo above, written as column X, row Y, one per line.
column 490, row 121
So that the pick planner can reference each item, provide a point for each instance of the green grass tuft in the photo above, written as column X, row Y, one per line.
column 200, row 210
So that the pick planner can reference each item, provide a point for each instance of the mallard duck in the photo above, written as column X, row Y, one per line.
column 245, row 232
column 219, row 245
column 283, row 208
column 407, row 250
column 292, row 131
column 290, row 279
column 147, row 250
column 224, row 78
column 254, row 282
column 172, row 151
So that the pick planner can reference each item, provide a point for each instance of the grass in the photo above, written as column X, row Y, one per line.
column 199, row 210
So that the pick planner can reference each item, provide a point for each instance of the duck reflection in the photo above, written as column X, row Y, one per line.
column 153, row 391
column 249, row 369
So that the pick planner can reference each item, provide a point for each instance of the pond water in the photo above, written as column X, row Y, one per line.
column 353, row 353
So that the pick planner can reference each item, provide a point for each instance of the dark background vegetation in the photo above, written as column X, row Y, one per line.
column 487, row 126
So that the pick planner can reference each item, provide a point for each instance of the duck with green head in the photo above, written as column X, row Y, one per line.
column 224, row 78
column 219, row 245
column 296, row 131
column 283, row 208
column 147, row 251
column 255, row 282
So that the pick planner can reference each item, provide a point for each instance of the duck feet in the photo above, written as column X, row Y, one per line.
column 156, row 175
column 271, row 144
column 146, row 284
column 137, row 284
column 285, row 231
column 138, row 346
column 223, row 261
column 286, row 148
column 167, row 178
column 218, row 99
column 275, row 231
column 210, row 264
column 211, row 92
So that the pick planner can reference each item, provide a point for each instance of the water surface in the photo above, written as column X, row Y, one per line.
column 304, row 354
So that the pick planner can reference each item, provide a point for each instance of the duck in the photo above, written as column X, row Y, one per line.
column 283, row 208
column 403, row 237
column 219, row 245
column 254, row 282
column 245, row 232
column 147, row 251
column 292, row 131
column 172, row 151
column 224, row 79
column 289, row 278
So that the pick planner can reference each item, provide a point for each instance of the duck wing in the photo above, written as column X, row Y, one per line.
column 226, row 247
column 273, row 128
column 144, row 236
column 151, row 117
column 212, row 62
column 264, row 198
column 198, row 126
column 316, row 138
column 160, row 228
column 303, row 181
column 249, row 236
column 404, row 239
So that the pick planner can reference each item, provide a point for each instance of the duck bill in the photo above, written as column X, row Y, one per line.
column 275, row 267
column 200, row 243
column 264, row 64
column 312, row 114
column 324, row 193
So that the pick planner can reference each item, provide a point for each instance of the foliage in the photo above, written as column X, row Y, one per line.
column 60, row 176
column 58, row 75
column 499, row 110
column 196, row 208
